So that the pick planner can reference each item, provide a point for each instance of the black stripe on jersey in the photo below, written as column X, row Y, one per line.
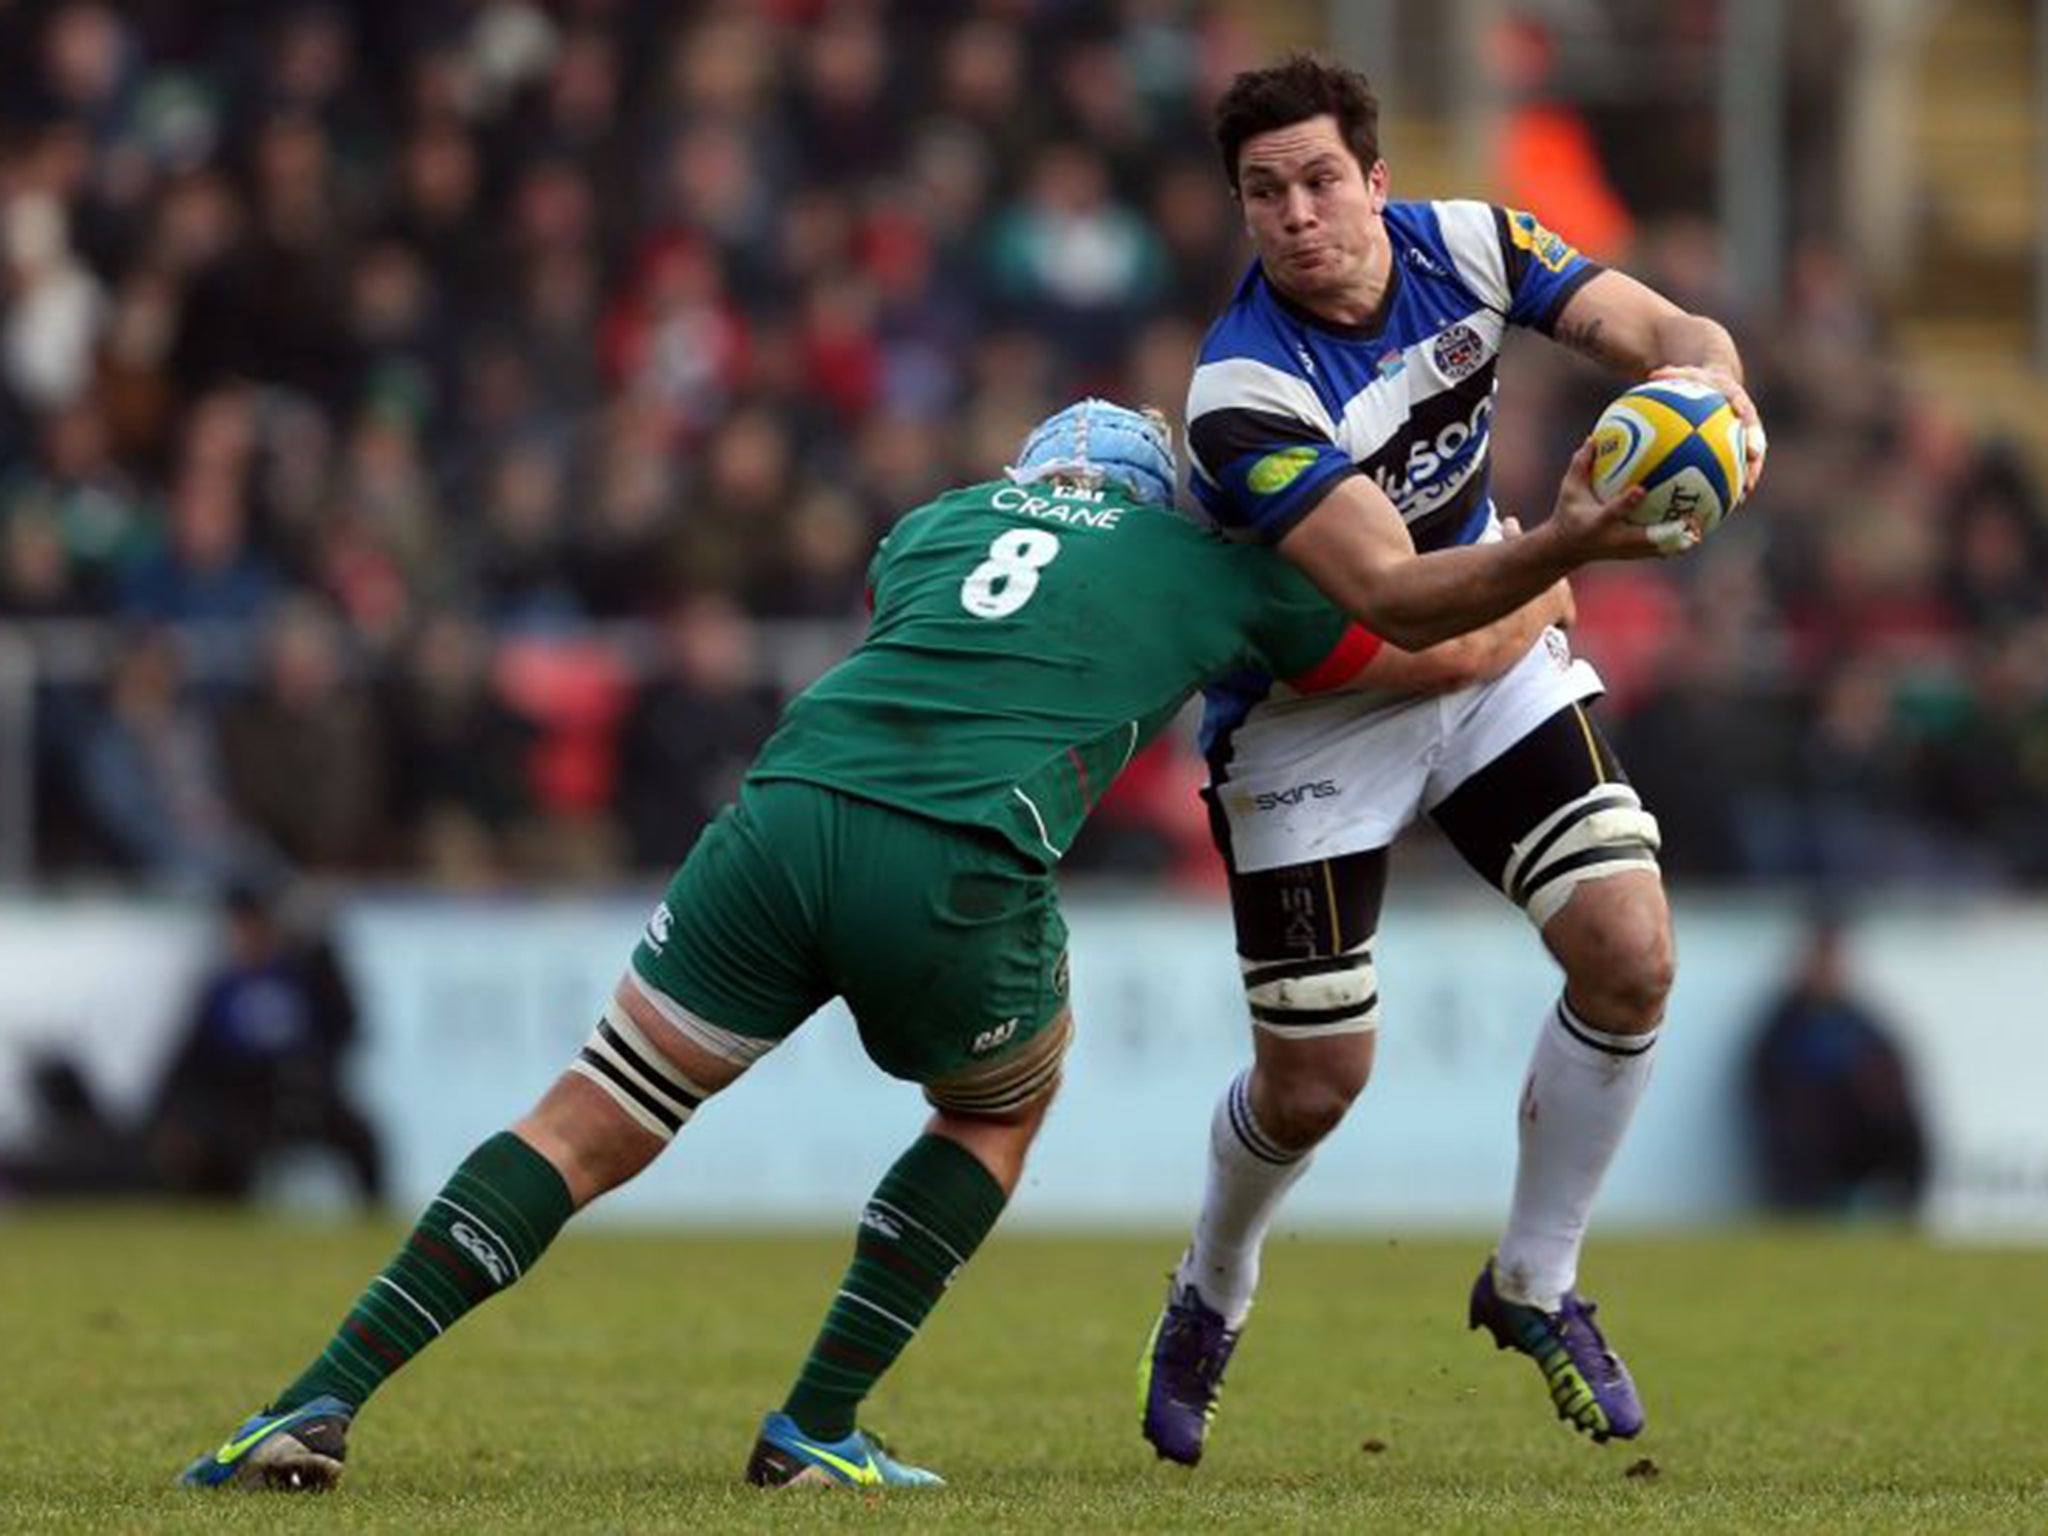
column 1455, row 406
column 638, row 1063
column 1514, row 259
column 631, row 1089
column 1221, row 437
column 1434, row 530
column 1547, row 321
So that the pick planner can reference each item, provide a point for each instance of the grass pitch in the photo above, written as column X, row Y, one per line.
column 1796, row 1380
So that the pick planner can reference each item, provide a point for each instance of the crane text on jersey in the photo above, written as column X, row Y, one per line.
column 1067, row 507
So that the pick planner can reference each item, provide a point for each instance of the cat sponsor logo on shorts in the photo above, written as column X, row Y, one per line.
column 989, row 1039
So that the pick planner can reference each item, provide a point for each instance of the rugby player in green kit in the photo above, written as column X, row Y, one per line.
column 894, row 845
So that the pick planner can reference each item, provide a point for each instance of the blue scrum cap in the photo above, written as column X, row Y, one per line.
column 1096, row 442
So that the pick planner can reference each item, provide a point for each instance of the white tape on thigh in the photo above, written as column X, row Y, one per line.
column 1604, row 832
column 638, row 1078
column 1303, row 999
column 740, row 1050
column 1011, row 1081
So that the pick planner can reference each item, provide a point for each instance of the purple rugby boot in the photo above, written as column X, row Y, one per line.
column 1587, row 1381
column 1181, row 1375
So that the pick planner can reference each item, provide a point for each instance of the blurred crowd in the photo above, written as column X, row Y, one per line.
column 1848, row 683
column 432, row 438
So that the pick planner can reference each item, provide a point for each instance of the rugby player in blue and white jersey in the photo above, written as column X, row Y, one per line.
column 1340, row 411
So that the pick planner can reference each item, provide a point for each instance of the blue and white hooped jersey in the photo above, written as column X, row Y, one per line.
column 1285, row 404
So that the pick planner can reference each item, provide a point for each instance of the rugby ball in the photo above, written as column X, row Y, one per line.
column 1682, row 443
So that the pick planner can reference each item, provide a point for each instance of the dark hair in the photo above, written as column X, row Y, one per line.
column 1299, row 87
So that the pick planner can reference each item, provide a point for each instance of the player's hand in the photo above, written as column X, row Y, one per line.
column 1586, row 528
column 1755, row 443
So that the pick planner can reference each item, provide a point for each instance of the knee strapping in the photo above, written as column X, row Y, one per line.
column 1604, row 832
column 636, row 1076
column 1326, row 995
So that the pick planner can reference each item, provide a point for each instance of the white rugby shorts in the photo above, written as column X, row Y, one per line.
column 1318, row 778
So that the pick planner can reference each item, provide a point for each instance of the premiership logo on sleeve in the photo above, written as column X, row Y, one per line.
column 1553, row 250
column 1277, row 471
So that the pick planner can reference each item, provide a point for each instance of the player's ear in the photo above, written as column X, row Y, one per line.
column 1376, row 181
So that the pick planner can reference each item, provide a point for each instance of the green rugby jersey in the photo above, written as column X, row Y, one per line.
column 1028, row 640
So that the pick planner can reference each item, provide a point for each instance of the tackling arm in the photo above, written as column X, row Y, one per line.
column 1354, row 546
column 1478, row 657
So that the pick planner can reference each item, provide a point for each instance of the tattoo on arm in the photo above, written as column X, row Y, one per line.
column 1585, row 339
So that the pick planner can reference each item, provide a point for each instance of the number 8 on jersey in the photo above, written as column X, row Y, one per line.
column 1004, row 582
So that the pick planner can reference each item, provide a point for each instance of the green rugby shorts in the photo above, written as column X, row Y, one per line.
column 946, row 943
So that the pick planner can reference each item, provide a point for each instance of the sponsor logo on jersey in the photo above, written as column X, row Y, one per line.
column 989, row 1039
column 1553, row 250
column 1408, row 484
column 1280, row 469
column 658, row 926
column 478, row 1247
column 1391, row 362
column 1458, row 351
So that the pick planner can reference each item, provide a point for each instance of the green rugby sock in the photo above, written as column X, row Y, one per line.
column 924, row 1221
column 491, row 1221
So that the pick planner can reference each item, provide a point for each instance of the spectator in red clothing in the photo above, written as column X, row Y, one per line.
column 672, row 341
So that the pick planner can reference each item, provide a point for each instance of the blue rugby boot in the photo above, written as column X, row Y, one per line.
column 298, row 1451
column 1588, row 1383
column 1181, row 1374
column 786, row 1457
